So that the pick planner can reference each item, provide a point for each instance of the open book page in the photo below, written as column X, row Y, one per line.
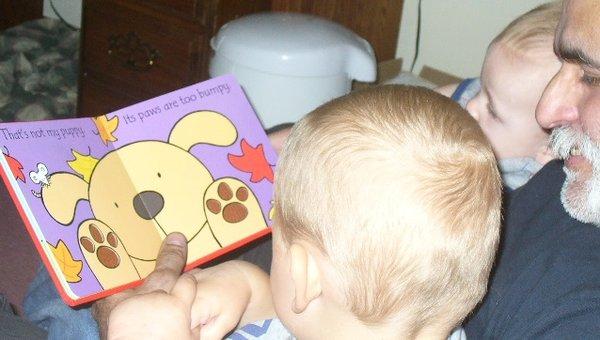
column 100, row 199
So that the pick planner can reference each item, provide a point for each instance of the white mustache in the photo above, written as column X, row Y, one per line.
column 563, row 139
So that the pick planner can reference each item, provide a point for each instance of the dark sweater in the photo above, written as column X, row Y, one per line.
column 546, row 282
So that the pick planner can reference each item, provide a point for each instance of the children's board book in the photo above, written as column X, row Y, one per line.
column 98, row 195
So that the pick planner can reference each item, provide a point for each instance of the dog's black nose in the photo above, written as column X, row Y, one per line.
column 148, row 204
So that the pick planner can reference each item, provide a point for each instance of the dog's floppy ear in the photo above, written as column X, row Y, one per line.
column 61, row 196
column 205, row 127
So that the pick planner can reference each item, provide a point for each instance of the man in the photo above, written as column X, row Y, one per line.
column 547, row 280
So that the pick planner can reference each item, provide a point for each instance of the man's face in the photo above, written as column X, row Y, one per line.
column 571, row 102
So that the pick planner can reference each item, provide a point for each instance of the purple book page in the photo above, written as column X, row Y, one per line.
column 104, row 192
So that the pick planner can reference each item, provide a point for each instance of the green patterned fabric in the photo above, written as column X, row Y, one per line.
column 38, row 71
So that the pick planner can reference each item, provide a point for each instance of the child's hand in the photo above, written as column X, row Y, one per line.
column 230, row 294
column 157, row 315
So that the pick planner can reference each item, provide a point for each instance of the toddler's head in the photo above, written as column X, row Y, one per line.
column 519, row 64
column 387, row 213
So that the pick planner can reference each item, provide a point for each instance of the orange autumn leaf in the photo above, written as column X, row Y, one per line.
column 106, row 127
column 70, row 267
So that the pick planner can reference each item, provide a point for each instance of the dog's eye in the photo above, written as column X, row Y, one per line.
column 116, row 205
column 158, row 174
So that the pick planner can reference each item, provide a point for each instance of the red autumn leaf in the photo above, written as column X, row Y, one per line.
column 253, row 161
column 16, row 167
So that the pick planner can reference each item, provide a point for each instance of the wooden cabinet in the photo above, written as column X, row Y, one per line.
column 133, row 50
column 14, row 12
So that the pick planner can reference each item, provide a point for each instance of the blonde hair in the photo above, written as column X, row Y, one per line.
column 399, row 187
column 534, row 29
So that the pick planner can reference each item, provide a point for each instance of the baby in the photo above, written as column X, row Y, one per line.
column 379, row 231
column 518, row 65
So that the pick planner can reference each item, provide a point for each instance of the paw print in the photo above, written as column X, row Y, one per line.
column 104, row 246
column 233, row 211
column 105, row 254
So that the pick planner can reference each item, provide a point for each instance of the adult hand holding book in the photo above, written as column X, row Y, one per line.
column 165, row 283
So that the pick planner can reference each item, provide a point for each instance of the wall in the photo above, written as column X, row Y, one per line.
column 70, row 10
column 455, row 33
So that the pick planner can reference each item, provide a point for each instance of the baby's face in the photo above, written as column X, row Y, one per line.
column 511, row 87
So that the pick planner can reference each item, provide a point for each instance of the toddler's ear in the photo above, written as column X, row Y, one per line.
column 305, row 276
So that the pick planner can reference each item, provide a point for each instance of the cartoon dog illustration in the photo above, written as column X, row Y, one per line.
column 145, row 190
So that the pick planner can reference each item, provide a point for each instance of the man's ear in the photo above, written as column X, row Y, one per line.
column 305, row 276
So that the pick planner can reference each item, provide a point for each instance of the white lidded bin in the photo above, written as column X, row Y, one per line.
column 290, row 63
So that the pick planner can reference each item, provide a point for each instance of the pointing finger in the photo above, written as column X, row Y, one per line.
column 170, row 262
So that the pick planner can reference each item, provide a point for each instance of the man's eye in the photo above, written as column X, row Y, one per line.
column 590, row 80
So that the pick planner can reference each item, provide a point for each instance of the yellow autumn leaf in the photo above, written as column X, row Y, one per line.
column 106, row 127
column 70, row 267
column 83, row 165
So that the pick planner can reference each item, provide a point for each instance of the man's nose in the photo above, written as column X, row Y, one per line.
column 558, row 105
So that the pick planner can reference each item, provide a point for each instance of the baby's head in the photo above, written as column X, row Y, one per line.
column 387, row 213
column 519, row 64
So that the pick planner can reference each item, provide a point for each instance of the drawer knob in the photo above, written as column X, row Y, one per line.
column 131, row 52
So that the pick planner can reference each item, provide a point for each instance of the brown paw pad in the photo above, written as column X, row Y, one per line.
column 96, row 234
column 242, row 194
column 224, row 191
column 233, row 212
column 106, row 254
column 108, row 257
